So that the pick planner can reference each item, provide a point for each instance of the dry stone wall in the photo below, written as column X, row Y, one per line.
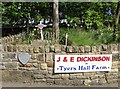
column 40, row 67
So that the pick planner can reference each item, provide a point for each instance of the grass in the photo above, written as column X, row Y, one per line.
column 79, row 37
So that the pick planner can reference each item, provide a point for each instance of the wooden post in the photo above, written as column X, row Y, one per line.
column 66, row 39
column 41, row 34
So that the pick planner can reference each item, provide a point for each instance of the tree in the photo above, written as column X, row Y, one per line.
column 118, row 14
column 56, row 20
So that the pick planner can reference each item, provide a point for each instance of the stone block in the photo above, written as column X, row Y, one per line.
column 35, row 65
column 95, row 81
column 72, row 77
column 114, row 70
column 63, row 48
column 30, row 68
column 5, row 48
column 21, row 48
column 88, row 74
column 50, row 63
column 1, row 48
column 100, row 75
column 75, row 49
column 33, row 61
column 65, row 76
column 115, row 63
column 36, row 72
column 82, row 77
column 50, row 70
column 30, row 49
column 115, row 57
column 12, row 56
column 104, row 47
column 5, row 40
column 47, row 48
column 52, row 48
column 12, row 39
column 11, row 65
column 104, row 52
column 49, row 76
column 49, row 57
column 57, row 76
column 28, row 76
column 12, row 76
column 9, row 48
column 114, row 47
column 57, row 48
column 87, row 82
column 34, row 56
column 93, row 77
column 43, row 66
column 2, row 68
column 1, row 57
column 78, row 82
column 63, row 82
column 39, row 80
column 9, row 55
column 76, row 74
column 40, row 57
column 102, row 81
column 41, row 49
column 112, row 80
column 87, row 49
column 81, row 49
column 26, row 48
column 26, row 65
column 21, row 68
column 50, row 81
column 1, row 41
column 14, row 48
column 114, row 66
column 39, row 76
column 94, row 49
column 69, row 49
column 112, row 77
column 99, row 48
column 109, row 47
column 6, row 60
column 36, row 49
column 44, row 72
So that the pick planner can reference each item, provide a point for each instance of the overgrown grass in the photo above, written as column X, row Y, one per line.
column 81, row 37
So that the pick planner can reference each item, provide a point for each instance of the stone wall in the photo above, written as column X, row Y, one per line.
column 40, row 66
column 13, row 39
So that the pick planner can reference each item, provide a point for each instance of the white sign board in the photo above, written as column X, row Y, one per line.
column 82, row 63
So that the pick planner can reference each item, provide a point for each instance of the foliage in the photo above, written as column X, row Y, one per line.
column 94, row 16
column 78, row 37
column 17, row 12
column 105, row 36
column 91, row 13
column 94, row 12
column 63, row 39
column 118, row 35
column 92, row 37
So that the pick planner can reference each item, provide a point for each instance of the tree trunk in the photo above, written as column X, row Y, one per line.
column 56, row 20
column 27, row 24
column 116, row 21
column 118, row 14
